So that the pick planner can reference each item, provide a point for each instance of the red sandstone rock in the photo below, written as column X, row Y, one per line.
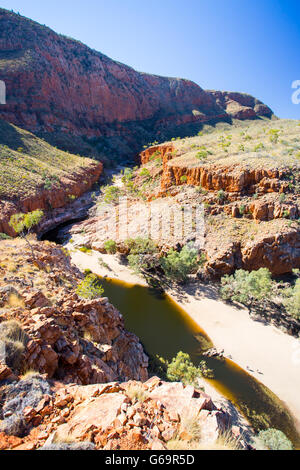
column 5, row 372
column 83, row 92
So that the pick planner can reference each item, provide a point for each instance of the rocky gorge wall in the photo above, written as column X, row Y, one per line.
column 275, row 246
column 54, row 202
column 56, row 85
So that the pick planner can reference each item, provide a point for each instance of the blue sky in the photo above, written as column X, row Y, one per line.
column 250, row 46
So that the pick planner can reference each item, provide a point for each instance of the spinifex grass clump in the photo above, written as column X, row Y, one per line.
column 13, row 341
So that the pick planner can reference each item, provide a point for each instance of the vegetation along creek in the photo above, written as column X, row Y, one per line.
column 164, row 329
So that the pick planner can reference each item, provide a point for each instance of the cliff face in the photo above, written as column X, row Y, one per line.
column 248, row 183
column 57, row 85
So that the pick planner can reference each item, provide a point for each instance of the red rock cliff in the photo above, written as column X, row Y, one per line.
column 58, row 85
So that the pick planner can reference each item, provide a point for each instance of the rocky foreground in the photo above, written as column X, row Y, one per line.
column 72, row 377
column 153, row 415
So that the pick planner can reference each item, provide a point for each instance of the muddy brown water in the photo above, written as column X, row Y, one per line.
column 165, row 328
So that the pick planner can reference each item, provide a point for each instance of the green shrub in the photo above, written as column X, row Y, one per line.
column 137, row 246
column 90, row 287
column 24, row 223
column 246, row 287
column 292, row 300
column 110, row 247
column 259, row 147
column 242, row 209
column 145, row 172
column 18, row 396
column 3, row 236
column 274, row 135
column 84, row 249
column 183, row 179
column 202, row 155
column 48, row 184
column 111, row 194
column 127, row 175
column 282, row 198
column 221, row 195
column 178, row 265
column 286, row 214
column 181, row 369
column 272, row 439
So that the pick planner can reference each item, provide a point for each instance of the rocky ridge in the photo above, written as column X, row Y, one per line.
column 79, row 341
column 240, row 175
column 84, row 94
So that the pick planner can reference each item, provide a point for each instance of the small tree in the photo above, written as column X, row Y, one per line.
column 24, row 223
column 221, row 195
column 181, row 369
column 110, row 247
column 246, row 287
column 183, row 179
column 292, row 300
column 178, row 265
column 140, row 246
column 143, row 257
column 90, row 287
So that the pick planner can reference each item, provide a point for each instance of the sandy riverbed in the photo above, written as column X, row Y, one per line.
column 267, row 353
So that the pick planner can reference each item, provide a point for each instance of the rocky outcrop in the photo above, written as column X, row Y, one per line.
column 127, row 416
column 279, row 252
column 240, row 105
column 83, row 92
column 232, row 178
column 75, row 340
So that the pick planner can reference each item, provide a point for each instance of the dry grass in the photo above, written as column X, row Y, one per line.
column 29, row 374
column 28, row 163
column 190, row 426
column 225, row 442
column 137, row 392
column 254, row 144
column 14, row 301
column 13, row 341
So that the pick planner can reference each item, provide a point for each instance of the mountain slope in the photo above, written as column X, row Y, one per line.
column 35, row 175
column 57, row 86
